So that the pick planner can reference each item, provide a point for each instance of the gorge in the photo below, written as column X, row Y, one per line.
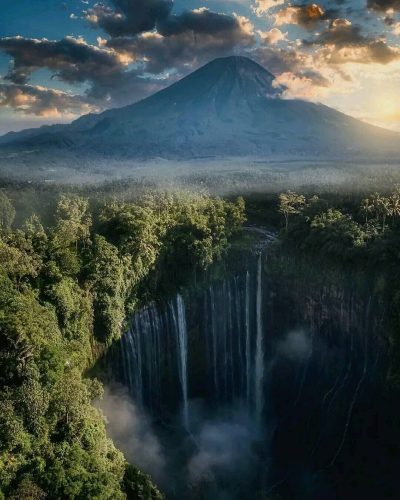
column 264, row 381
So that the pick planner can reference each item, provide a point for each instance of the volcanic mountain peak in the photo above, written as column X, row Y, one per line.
column 233, row 73
column 233, row 67
column 229, row 107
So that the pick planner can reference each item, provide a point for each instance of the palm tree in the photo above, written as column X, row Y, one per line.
column 395, row 203
column 367, row 207
column 384, row 209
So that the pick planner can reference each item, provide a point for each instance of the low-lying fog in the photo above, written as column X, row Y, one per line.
column 219, row 176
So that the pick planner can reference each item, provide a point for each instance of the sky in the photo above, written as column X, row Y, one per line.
column 62, row 59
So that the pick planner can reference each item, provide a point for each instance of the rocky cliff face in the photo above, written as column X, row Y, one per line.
column 300, row 352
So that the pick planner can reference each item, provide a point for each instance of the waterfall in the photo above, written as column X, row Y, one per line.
column 181, row 330
column 259, row 356
column 289, row 363
column 248, row 345
column 140, row 357
column 214, row 342
column 226, row 348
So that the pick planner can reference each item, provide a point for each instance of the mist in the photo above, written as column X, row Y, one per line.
column 131, row 431
column 219, row 176
column 219, row 455
column 296, row 346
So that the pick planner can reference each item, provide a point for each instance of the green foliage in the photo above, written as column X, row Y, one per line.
column 364, row 236
column 65, row 292
column 290, row 203
column 138, row 486
column 110, row 275
column 336, row 232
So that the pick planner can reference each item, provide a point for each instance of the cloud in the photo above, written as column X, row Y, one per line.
column 263, row 6
column 186, row 41
column 199, row 21
column 44, row 102
column 71, row 59
column 384, row 5
column 341, row 33
column 306, row 86
column 273, row 36
column 303, row 15
column 129, row 17
column 283, row 59
column 344, row 43
column 121, row 70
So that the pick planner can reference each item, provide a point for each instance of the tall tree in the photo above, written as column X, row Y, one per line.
column 290, row 203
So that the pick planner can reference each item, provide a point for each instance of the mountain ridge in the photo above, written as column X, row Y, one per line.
column 231, row 105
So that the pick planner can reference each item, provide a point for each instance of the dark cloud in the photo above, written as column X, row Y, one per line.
column 182, row 44
column 384, row 5
column 389, row 20
column 345, row 42
column 187, row 41
column 127, row 88
column 199, row 21
column 71, row 59
column 40, row 101
column 129, row 17
column 381, row 53
column 315, row 78
column 286, row 60
column 341, row 33
column 304, row 15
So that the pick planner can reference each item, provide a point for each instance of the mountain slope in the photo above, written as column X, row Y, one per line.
column 230, row 107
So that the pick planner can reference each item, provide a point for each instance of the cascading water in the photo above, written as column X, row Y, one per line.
column 214, row 343
column 248, row 343
column 178, row 313
column 230, row 343
column 259, row 358
column 141, row 365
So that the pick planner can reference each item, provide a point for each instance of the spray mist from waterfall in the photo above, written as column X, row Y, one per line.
column 130, row 429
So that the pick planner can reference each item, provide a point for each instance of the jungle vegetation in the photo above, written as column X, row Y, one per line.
column 65, row 290
column 359, row 235
column 75, row 265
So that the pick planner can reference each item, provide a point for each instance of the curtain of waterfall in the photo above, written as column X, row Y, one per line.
column 295, row 360
column 180, row 329
column 156, row 351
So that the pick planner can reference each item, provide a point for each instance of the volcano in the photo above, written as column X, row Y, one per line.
column 231, row 107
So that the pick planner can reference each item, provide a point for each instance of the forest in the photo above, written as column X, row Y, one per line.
column 65, row 291
column 72, row 275
column 359, row 234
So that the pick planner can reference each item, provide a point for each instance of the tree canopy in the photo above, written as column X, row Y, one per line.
column 65, row 292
